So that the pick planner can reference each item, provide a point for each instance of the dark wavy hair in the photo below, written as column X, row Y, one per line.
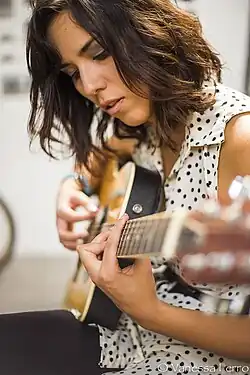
column 152, row 42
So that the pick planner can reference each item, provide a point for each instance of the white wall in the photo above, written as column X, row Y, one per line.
column 226, row 25
column 29, row 181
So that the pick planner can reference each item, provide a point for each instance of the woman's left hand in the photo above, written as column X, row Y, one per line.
column 132, row 288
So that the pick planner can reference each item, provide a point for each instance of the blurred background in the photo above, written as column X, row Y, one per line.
column 37, row 268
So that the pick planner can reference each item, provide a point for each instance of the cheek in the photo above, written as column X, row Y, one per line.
column 79, row 87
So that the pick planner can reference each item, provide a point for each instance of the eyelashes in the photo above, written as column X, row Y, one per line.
column 101, row 56
column 75, row 75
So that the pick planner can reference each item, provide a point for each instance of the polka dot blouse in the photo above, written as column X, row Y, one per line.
column 192, row 179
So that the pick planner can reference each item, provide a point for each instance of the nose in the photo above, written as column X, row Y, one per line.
column 92, row 80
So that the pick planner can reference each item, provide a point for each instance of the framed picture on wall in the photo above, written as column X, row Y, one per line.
column 5, row 8
column 11, row 85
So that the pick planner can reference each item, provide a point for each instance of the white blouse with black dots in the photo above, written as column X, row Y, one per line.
column 192, row 179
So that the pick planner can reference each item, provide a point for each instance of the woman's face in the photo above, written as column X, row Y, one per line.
column 94, row 73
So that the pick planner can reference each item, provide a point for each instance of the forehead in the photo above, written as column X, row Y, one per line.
column 67, row 36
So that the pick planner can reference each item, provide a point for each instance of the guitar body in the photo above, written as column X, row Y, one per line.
column 131, row 189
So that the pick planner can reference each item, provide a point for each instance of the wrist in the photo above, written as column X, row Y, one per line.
column 79, row 181
column 152, row 321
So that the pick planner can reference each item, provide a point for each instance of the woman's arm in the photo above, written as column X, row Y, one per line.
column 227, row 336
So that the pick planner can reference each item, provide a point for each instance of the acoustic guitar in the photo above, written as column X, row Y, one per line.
column 150, row 231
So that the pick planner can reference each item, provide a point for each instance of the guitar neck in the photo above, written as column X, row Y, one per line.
column 178, row 233
column 158, row 234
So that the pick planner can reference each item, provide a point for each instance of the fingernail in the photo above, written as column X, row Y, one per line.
column 80, row 248
column 92, row 207
column 125, row 216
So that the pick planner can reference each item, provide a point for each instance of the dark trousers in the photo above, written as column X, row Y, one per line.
column 48, row 343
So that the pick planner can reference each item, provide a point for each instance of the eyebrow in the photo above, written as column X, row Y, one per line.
column 84, row 49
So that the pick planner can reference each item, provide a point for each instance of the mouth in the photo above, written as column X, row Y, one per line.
column 113, row 107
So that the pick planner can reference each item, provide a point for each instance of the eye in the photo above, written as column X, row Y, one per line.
column 101, row 55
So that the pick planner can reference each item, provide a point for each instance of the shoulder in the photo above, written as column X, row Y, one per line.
column 235, row 153
column 237, row 143
column 229, row 123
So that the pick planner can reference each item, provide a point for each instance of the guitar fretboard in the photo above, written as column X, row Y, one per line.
column 142, row 236
column 148, row 235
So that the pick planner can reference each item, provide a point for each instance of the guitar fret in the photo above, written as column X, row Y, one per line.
column 122, row 243
column 152, row 245
column 142, row 237
column 122, row 246
column 138, row 235
column 156, row 230
column 129, row 248
column 135, row 243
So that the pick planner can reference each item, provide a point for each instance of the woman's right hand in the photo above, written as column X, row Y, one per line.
column 69, row 198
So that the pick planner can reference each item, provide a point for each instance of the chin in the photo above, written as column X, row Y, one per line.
column 133, row 121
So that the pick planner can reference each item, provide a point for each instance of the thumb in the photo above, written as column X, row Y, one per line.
column 110, row 254
column 90, row 262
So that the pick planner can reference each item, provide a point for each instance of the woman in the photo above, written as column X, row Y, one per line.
column 144, row 68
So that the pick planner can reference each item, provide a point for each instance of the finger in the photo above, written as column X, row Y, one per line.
column 61, row 224
column 110, row 255
column 70, row 245
column 103, row 236
column 66, row 235
column 70, row 215
column 90, row 260
column 66, row 232
column 81, row 199
column 92, row 247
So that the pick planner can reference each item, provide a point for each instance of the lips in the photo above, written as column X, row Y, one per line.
column 110, row 105
column 113, row 107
